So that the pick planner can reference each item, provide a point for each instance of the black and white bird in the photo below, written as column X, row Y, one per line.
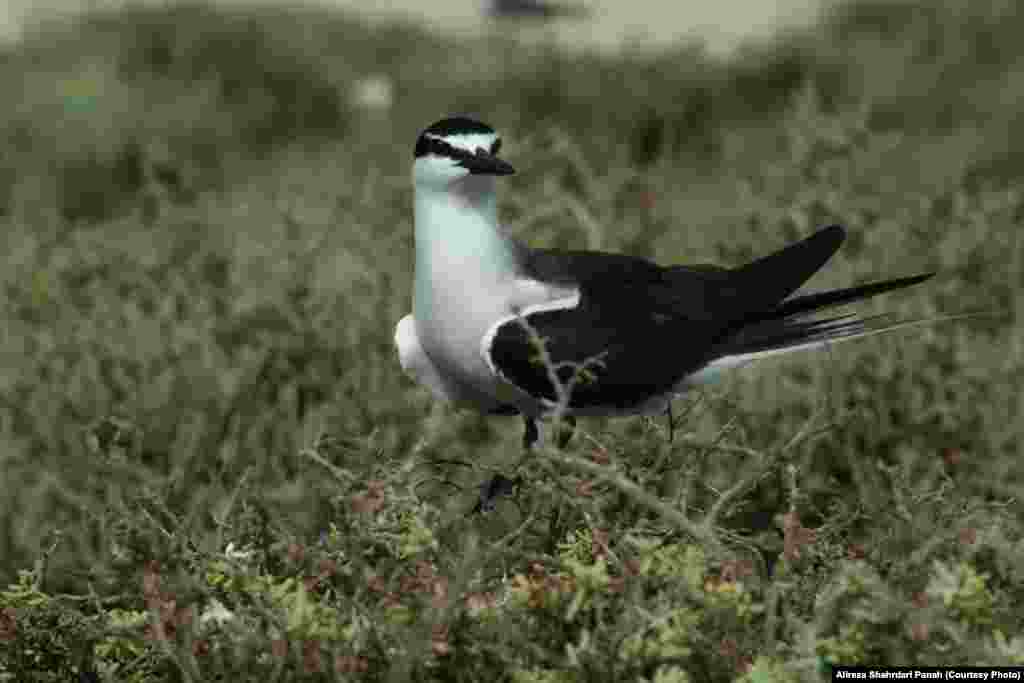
column 624, row 334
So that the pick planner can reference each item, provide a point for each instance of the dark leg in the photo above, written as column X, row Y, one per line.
column 500, row 485
column 671, row 421
column 497, row 486
column 532, row 434
column 562, row 438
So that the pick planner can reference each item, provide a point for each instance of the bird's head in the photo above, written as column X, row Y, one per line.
column 456, row 150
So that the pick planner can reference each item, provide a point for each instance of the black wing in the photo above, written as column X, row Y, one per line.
column 644, row 326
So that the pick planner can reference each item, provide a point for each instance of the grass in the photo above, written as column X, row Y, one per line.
column 215, row 470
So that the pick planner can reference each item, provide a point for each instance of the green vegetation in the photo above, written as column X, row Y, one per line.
column 214, row 469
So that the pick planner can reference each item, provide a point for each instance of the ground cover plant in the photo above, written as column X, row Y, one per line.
column 214, row 470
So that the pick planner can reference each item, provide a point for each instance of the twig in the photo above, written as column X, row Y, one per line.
column 637, row 494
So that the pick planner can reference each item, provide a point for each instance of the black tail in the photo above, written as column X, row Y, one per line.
column 764, row 284
column 786, row 328
column 808, row 303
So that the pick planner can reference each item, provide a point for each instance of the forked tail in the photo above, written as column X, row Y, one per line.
column 788, row 327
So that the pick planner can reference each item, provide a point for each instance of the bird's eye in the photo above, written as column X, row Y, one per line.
column 495, row 146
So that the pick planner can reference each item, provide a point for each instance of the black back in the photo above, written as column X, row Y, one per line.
column 647, row 326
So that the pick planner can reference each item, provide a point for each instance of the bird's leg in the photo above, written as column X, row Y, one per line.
column 500, row 485
column 532, row 434
column 671, row 421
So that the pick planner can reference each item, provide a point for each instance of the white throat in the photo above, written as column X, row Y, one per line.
column 460, row 246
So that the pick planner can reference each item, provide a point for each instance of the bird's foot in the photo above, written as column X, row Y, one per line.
column 496, row 487
column 499, row 485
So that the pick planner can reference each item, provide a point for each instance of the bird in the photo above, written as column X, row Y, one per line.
column 621, row 335
column 533, row 10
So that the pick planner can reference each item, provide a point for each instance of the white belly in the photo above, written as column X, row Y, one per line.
column 451, row 319
column 450, row 335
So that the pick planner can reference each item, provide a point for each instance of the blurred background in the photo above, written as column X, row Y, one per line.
column 208, row 228
column 205, row 212
column 720, row 25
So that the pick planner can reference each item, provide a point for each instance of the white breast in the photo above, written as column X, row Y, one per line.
column 455, row 335
column 467, row 280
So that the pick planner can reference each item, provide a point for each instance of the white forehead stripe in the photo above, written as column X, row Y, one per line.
column 467, row 141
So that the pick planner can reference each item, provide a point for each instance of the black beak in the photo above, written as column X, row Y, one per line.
column 483, row 163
